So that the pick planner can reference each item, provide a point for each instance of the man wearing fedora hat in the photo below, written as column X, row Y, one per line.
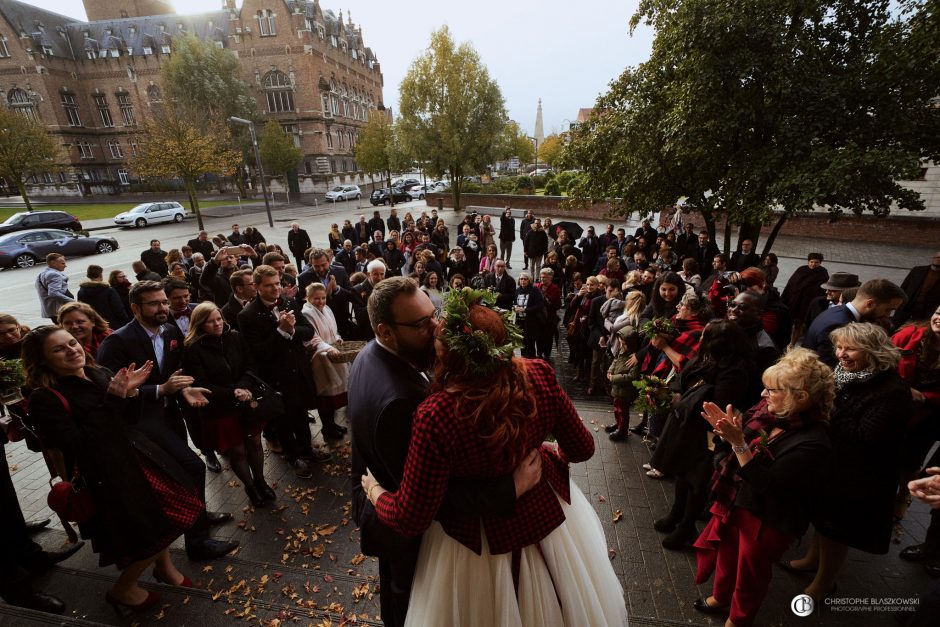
column 837, row 283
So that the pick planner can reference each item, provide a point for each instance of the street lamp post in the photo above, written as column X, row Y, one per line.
column 535, row 140
column 254, row 145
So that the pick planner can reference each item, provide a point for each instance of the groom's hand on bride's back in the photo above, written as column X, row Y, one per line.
column 528, row 473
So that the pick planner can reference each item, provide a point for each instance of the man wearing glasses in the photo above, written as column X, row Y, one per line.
column 150, row 336
column 387, row 382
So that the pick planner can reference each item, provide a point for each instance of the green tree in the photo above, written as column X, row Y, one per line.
column 204, row 81
column 452, row 112
column 279, row 156
column 378, row 150
column 751, row 106
column 173, row 146
column 515, row 143
column 26, row 148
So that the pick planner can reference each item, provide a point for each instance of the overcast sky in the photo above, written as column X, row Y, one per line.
column 561, row 51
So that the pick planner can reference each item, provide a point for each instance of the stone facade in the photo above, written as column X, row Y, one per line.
column 92, row 83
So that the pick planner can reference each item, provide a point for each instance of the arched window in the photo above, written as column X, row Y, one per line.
column 154, row 94
column 266, row 22
column 279, row 92
column 20, row 102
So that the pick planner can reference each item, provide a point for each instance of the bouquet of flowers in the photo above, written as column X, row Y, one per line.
column 655, row 396
column 658, row 326
column 12, row 378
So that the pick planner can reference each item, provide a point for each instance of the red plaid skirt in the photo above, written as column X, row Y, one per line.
column 180, row 506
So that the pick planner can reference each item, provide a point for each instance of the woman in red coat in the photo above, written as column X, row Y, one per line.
column 547, row 563
column 919, row 368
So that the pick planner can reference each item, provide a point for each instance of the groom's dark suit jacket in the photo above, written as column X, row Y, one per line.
column 384, row 392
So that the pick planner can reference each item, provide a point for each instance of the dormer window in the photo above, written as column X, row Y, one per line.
column 132, row 30
column 333, row 41
column 47, row 50
column 148, row 50
column 165, row 48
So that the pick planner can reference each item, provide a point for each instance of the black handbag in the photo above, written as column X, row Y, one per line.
column 266, row 403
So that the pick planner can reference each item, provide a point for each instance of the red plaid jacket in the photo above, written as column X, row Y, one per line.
column 444, row 446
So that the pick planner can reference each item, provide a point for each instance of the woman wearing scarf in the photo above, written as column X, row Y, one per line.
column 335, row 237
column 667, row 352
column 330, row 378
column 764, row 488
column 867, row 431
column 85, row 325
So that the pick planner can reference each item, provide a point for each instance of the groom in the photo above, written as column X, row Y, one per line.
column 386, row 384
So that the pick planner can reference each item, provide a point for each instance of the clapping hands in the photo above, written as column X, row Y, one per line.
column 127, row 380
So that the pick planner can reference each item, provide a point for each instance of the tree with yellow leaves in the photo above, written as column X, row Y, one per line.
column 172, row 146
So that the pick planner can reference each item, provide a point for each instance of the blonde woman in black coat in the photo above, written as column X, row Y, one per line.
column 218, row 359
column 867, row 430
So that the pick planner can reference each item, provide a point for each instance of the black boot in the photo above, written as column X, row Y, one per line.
column 680, row 538
column 619, row 435
column 265, row 490
column 254, row 496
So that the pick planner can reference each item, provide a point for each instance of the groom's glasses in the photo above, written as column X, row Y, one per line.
column 420, row 322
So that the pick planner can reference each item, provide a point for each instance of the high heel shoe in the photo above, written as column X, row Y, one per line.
column 186, row 583
column 153, row 598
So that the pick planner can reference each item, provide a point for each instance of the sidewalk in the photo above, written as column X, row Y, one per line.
column 301, row 558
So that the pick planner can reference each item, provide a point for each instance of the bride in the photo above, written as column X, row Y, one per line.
column 547, row 563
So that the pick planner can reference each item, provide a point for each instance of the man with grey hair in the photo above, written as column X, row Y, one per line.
column 298, row 242
column 375, row 273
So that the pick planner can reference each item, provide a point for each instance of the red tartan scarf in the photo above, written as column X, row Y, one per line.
column 686, row 344
column 758, row 423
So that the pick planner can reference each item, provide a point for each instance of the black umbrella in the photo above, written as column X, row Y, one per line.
column 574, row 229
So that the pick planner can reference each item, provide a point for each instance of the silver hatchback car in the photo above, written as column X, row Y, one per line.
column 344, row 192
column 151, row 213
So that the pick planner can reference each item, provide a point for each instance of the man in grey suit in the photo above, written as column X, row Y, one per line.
column 52, row 285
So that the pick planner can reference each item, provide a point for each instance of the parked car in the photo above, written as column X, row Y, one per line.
column 23, row 249
column 405, row 183
column 40, row 219
column 151, row 213
column 381, row 197
column 540, row 172
column 439, row 186
column 344, row 192
column 417, row 192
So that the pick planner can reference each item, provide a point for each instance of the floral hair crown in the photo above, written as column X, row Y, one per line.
column 479, row 332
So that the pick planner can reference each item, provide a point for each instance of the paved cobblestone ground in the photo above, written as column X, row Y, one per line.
column 300, row 559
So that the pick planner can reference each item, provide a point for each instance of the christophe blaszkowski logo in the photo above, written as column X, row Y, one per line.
column 802, row 605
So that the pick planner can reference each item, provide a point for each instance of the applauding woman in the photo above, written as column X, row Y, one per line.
column 764, row 488
column 218, row 359
column 142, row 500
column 489, row 411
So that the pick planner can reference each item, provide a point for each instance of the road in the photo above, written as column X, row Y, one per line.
column 17, row 286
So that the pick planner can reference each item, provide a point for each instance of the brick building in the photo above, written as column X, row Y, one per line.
column 92, row 83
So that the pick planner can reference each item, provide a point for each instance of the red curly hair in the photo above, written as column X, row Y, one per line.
column 500, row 404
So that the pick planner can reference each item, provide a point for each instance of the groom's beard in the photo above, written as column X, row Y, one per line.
column 422, row 359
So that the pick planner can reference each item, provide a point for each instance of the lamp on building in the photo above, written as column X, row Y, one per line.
column 254, row 145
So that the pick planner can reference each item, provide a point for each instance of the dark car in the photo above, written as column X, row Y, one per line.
column 24, row 248
column 381, row 197
column 40, row 220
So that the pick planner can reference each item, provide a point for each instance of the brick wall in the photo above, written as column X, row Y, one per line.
column 915, row 229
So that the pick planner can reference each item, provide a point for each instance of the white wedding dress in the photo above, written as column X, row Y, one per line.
column 573, row 585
